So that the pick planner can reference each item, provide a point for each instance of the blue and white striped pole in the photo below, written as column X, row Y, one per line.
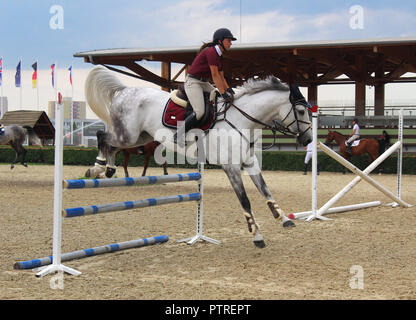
column 36, row 263
column 126, row 205
column 119, row 182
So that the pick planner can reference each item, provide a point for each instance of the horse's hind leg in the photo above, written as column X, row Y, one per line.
column 99, row 166
column 234, row 175
column 17, row 153
column 165, row 170
column 23, row 162
column 255, row 174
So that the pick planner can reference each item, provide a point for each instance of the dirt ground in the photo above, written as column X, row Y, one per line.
column 314, row 260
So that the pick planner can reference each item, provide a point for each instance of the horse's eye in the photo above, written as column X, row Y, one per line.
column 301, row 112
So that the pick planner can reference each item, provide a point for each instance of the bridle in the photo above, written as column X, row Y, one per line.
column 276, row 127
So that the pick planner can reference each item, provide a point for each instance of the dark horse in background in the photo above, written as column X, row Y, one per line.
column 147, row 150
column 372, row 147
column 15, row 136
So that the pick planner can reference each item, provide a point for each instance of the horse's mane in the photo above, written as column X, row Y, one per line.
column 252, row 86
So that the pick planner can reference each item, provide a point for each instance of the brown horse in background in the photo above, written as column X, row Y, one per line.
column 369, row 146
column 148, row 151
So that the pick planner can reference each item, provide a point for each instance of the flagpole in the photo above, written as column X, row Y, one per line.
column 37, row 83
column 1, row 90
column 21, row 84
column 72, row 110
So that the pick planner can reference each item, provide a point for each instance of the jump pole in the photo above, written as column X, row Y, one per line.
column 120, row 182
column 128, row 205
column 79, row 254
column 56, row 265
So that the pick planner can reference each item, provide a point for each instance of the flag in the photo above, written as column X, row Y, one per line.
column 70, row 74
column 53, row 75
column 18, row 75
column 1, row 71
column 35, row 75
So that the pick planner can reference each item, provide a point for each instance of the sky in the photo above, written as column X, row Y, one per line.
column 50, row 31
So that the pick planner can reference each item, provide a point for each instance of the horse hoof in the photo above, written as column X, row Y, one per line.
column 24, row 164
column 88, row 173
column 11, row 167
column 109, row 172
column 288, row 224
column 259, row 243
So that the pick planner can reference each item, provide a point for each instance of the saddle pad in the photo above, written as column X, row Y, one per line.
column 354, row 143
column 174, row 113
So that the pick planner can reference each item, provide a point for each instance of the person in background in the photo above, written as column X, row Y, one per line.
column 384, row 141
column 308, row 157
column 355, row 134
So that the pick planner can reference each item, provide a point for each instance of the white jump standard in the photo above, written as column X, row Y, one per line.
column 54, row 264
column 361, row 175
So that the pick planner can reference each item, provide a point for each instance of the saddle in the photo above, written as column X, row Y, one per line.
column 178, row 108
column 354, row 143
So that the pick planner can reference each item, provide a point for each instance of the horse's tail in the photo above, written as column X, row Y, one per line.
column 33, row 137
column 100, row 87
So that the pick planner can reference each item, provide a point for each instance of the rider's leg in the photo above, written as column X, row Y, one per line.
column 195, row 91
column 350, row 141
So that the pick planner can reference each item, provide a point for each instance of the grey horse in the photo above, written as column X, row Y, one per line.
column 15, row 136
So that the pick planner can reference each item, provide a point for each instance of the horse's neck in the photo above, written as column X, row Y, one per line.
column 260, row 106
column 339, row 138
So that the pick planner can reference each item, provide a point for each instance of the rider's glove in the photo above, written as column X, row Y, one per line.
column 230, row 91
column 227, row 97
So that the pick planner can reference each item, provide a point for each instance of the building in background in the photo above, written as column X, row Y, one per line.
column 4, row 106
column 84, row 130
column 80, row 109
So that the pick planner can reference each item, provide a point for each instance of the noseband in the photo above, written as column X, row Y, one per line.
column 286, row 129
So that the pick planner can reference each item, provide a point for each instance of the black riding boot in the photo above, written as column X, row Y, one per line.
column 305, row 168
column 349, row 144
column 189, row 123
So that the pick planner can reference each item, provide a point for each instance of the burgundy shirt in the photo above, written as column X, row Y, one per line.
column 208, row 57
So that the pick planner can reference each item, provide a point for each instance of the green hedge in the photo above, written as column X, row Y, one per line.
column 271, row 160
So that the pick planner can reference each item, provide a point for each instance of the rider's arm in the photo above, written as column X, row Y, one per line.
column 218, row 79
column 226, row 86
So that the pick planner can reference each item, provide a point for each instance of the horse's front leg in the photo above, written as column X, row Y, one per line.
column 234, row 175
column 255, row 174
column 110, row 168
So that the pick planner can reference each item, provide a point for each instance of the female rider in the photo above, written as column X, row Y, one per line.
column 207, row 64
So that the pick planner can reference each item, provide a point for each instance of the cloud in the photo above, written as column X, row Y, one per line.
column 191, row 22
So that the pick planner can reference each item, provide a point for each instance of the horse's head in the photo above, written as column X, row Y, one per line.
column 295, row 116
column 330, row 137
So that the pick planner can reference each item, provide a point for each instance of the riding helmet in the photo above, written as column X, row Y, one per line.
column 222, row 34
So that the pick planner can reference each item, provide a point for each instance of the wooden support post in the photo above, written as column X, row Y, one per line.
column 360, row 87
column 379, row 96
column 313, row 88
column 166, row 73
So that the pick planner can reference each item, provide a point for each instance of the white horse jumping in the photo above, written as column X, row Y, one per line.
column 134, row 117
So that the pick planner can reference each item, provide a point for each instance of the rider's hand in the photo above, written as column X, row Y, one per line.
column 230, row 91
column 227, row 97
